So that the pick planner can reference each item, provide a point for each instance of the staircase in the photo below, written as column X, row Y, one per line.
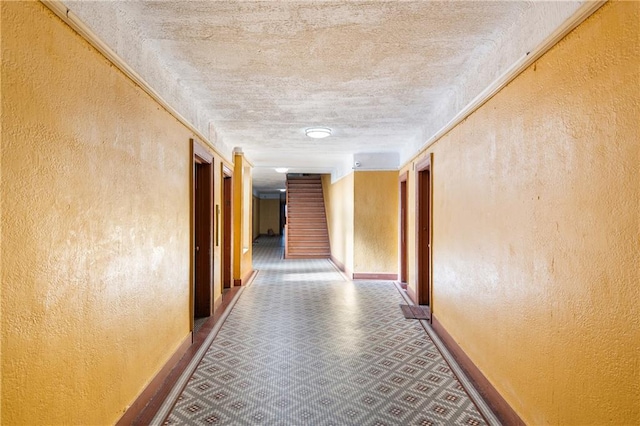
column 306, row 230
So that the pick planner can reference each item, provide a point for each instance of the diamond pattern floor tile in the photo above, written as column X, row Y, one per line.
column 302, row 346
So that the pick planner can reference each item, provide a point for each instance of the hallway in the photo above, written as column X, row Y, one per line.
column 302, row 345
column 492, row 167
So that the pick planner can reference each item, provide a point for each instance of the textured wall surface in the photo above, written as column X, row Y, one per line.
column 95, row 228
column 338, row 198
column 536, row 241
column 269, row 215
column 375, row 222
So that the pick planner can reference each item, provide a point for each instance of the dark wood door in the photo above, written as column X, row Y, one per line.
column 203, row 219
column 424, row 235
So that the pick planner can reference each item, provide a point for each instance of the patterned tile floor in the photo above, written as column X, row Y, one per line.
column 302, row 346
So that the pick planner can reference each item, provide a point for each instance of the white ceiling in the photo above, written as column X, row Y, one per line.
column 383, row 75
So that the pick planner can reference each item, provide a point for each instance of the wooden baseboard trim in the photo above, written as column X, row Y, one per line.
column 245, row 280
column 146, row 411
column 248, row 280
column 175, row 384
column 374, row 276
column 152, row 388
column 496, row 402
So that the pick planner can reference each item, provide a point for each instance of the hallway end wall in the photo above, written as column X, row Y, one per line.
column 269, row 216
column 376, row 224
column 95, row 232
column 535, row 229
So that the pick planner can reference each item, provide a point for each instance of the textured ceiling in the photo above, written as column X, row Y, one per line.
column 384, row 75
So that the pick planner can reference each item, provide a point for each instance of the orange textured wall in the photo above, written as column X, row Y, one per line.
column 338, row 198
column 375, row 222
column 269, row 215
column 95, row 228
column 536, row 247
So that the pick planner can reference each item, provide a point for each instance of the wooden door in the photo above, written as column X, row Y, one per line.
column 423, row 222
column 202, row 231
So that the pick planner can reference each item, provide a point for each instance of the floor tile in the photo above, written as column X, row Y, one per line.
column 302, row 346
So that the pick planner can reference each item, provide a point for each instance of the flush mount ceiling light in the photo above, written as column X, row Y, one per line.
column 283, row 190
column 281, row 169
column 318, row 132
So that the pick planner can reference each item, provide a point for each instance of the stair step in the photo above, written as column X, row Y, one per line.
column 309, row 228
column 305, row 243
column 306, row 233
column 306, row 218
column 306, row 228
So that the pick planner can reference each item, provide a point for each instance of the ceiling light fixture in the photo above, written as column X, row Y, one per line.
column 283, row 190
column 318, row 132
column 281, row 169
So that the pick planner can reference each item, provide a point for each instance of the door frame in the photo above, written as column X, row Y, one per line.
column 201, row 231
column 403, row 234
column 424, row 241
column 227, row 227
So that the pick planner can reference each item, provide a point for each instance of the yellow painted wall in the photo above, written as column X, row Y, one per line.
column 536, row 241
column 95, row 228
column 339, row 208
column 243, row 218
column 269, row 215
column 376, row 222
column 1, row 216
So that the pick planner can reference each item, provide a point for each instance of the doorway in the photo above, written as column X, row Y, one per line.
column 283, row 212
column 403, row 227
column 227, row 202
column 202, row 231
column 424, row 223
